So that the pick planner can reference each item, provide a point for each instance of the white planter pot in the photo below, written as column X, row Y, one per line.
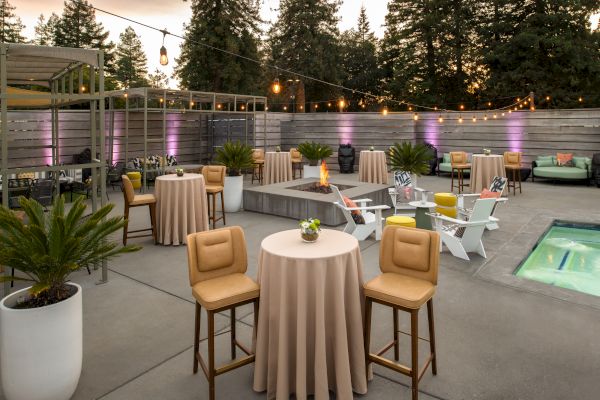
column 233, row 192
column 41, row 348
column 312, row 171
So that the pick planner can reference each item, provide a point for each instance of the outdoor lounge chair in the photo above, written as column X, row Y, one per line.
column 497, row 186
column 462, row 236
column 372, row 220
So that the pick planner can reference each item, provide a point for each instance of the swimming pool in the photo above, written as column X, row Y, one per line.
column 567, row 256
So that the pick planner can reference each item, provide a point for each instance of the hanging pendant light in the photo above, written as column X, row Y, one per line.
column 164, row 60
column 276, row 88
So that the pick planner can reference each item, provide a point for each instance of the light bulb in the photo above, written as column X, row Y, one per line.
column 440, row 119
column 276, row 88
column 385, row 111
column 164, row 60
column 416, row 116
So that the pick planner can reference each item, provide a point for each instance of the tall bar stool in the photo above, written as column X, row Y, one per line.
column 408, row 259
column 512, row 164
column 296, row 162
column 217, row 262
column 214, row 180
column 460, row 163
column 137, row 200
column 258, row 161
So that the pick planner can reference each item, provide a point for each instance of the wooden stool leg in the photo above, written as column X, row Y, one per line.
column 233, row 333
column 452, row 181
column 223, row 208
column 396, row 343
column 126, row 226
column 519, row 176
column 255, row 328
column 367, row 333
column 196, row 337
column 214, row 209
column 211, row 355
column 153, row 220
column 432, row 337
column 414, row 347
column 208, row 195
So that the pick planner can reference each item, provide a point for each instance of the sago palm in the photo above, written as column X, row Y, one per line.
column 413, row 159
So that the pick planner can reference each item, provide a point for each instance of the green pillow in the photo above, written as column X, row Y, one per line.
column 446, row 159
column 581, row 162
column 545, row 161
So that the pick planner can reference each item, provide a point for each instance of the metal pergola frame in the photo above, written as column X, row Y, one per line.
column 54, row 68
column 188, row 101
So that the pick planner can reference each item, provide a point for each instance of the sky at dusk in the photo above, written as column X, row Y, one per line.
column 172, row 14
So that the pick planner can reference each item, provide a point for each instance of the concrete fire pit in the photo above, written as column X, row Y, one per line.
column 287, row 199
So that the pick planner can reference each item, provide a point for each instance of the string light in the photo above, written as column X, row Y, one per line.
column 125, row 95
column 503, row 114
column 409, row 108
column 276, row 88
column 328, row 104
column 462, row 106
column 460, row 119
column 474, row 119
column 547, row 98
column 191, row 103
column 416, row 116
column 83, row 88
column 164, row 60
column 219, row 106
column 489, row 103
column 495, row 116
column 581, row 99
column 440, row 119
column 160, row 100
column 342, row 104
column 384, row 111
column 284, row 108
column 302, row 107
column 243, row 107
column 485, row 117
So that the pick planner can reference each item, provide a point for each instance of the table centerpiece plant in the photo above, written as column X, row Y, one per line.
column 309, row 229
column 179, row 171
column 41, row 326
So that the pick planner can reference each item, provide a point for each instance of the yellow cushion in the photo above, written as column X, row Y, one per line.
column 445, row 199
column 451, row 212
column 225, row 290
column 140, row 199
column 136, row 179
column 401, row 220
column 401, row 290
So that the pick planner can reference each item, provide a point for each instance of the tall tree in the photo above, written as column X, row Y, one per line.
column 78, row 28
column 130, row 60
column 44, row 30
column 10, row 25
column 552, row 52
column 158, row 79
column 360, row 63
column 230, row 25
column 305, row 39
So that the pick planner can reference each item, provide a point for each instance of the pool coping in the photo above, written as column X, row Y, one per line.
column 501, row 267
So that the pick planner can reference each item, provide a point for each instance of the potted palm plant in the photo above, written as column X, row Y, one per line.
column 236, row 156
column 41, row 326
column 412, row 158
column 313, row 152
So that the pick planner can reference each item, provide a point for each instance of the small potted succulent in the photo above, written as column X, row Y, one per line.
column 487, row 152
column 372, row 148
column 278, row 149
column 309, row 229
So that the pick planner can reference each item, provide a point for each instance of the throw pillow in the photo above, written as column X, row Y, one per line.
column 446, row 159
column 486, row 194
column 356, row 214
column 564, row 159
column 544, row 161
column 580, row 162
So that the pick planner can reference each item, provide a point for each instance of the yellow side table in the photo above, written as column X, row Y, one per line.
column 446, row 204
column 401, row 220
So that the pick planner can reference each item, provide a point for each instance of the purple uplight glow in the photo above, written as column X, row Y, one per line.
column 514, row 134
column 432, row 130
column 47, row 140
column 172, row 133
column 344, row 128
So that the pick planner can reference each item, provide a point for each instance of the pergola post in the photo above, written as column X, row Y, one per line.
column 146, row 137
column 104, row 278
column 4, row 131
column 94, row 149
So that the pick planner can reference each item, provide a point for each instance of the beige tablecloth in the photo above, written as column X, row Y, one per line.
column 310, row 333
column 483, row 170
column 278, row 167
column 372, row 167
column 181, row 207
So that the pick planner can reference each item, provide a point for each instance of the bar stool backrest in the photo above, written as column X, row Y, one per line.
column 458, row 157
column 410, row 251
column 216, row 253
column 295, row 154
column 214, row 174
column 512, row 158
column 258, row 154
column 128, row 191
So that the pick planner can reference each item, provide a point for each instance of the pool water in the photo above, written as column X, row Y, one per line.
column 568, row 256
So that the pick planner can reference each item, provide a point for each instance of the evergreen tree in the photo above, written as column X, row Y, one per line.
column 11, row 25
column 158, row 79
column 44, row 30
column 230, row 25
column 77, row 27
column 552, row 52
column 360, row 63
column 130, row 60
column 305, row 39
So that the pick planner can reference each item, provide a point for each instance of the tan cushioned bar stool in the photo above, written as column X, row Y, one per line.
column 217, row 262
column 408, row 259
column 512, row 164
column 460, row 163
column 137, row 200
column 214, row 180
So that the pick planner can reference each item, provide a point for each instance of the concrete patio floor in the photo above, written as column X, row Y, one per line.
column 498, row 337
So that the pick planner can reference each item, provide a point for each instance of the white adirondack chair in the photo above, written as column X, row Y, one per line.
column 403, row 192
column 498, row 185
column 371, row 214
column 462, row 237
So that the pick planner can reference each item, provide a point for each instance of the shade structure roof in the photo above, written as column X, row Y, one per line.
column 26, row 100
column 29, row 64
column 194, row 95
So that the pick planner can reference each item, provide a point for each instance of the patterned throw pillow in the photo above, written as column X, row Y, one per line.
column 564, row 159
column 171, row 160
column 356, row 214
column 486, row 194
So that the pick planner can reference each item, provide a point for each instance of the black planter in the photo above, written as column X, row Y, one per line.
column 434, row 160
column 346, row 158
column 596, row 169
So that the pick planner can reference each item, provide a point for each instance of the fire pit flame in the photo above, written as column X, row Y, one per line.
column 324, row 175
